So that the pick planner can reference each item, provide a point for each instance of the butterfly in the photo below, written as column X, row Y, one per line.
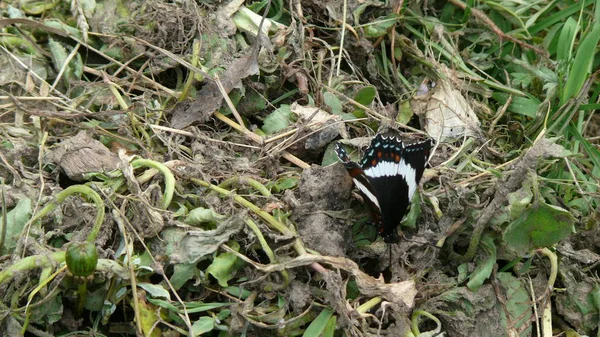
column 387, row 177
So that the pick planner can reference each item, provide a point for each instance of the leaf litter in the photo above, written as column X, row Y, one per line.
column 197, row 154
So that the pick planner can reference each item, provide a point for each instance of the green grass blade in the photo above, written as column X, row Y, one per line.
column 559, row 16
column 330, row 328
column 591, row 150
column 318, row 325
column 582, row 65
column 566, row 40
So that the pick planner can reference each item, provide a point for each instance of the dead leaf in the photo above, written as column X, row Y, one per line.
column 209, row 97
column 445, row 113
column 80, row 155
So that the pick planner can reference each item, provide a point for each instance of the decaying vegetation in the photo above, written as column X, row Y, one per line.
column 191, row 144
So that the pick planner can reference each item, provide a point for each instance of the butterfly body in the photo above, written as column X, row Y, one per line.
column 387, row 177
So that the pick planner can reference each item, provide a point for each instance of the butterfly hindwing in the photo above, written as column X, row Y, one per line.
column 388, row 176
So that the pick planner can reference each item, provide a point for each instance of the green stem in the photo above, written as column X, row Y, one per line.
column 81, row 296
column 4, row 223
column 169, row 178
column 31, row 262
column 415, row 321
column 553, row 266
column 368, row 305
column 191, row 75
column 37, row 289
column 266, row 248
column 86, row 191
column 44, row 261
column 248, row 181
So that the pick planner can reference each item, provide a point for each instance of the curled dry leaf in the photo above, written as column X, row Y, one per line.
column 445, row 113
column 326, row 125
column 319, row 117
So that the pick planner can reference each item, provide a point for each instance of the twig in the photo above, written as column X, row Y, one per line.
column 344, row 13
column 258, row 139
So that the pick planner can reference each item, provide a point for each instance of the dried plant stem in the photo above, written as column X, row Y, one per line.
column 258, row 139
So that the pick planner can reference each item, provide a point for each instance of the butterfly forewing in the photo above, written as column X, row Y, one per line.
column 388, row 177
column 361, row 181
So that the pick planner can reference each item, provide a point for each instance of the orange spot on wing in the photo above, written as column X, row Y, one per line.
column 379, row 154
column 355, row 172
column 373, row 162
column 397, row 158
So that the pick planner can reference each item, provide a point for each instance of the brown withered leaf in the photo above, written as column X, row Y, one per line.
column 209, row 97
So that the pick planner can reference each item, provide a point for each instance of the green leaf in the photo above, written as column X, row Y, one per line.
column 582, row 65
column 195, row 307
column 238, row 292
column 193, row 246
column 182, row 272
column 73, row 70
column 222, row 267
column 329, row 157
column 364, row 96
column 517, row 304
column 410, row 220
column 155, row 290
column 286, row 183
column 541, row 225
column 318, row 325
column 484, row 268
column 49, row 311
column 336, row 106
column 405, row 114
column 164, row 304
column 363, row 232
column 380, row 26
column 330, row 327
column 38, row 7
column 203, row 325
column 520, row 105
column 591, row 150
column 559, row 16
column 95, row 299
column 278, row 120
column 15, row 221
column 223, row 314
column 333, row 102
column 519, row 200
column 566, row 40
column 200, row 216
column 352, row 290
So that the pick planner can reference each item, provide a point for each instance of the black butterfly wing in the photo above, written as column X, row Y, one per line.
column 394, row 171
column 387, row 177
